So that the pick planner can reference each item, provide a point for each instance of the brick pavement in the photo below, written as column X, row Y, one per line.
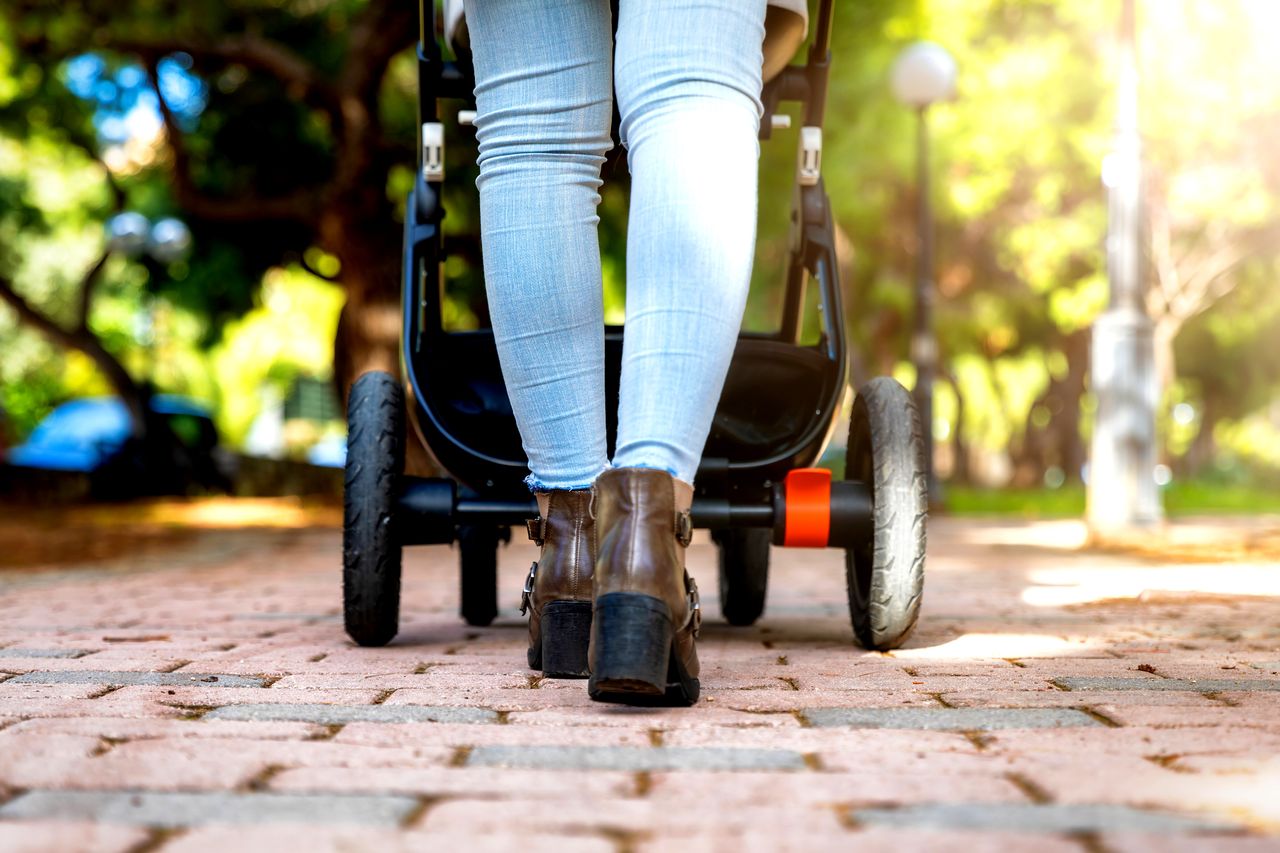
column 1051, row 700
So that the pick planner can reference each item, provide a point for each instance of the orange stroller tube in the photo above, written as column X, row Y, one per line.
column 808, row 508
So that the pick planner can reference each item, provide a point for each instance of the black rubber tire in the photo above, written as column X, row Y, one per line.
column 744, row 573
column 886, row 575
column 478, row 565
column 370, row 547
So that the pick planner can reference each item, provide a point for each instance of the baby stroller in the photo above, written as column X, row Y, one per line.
column 779, row 407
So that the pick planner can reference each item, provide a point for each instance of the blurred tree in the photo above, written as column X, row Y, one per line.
column 287, row 148
column 1020, row 215
column 1213, row 88
column 65, row 319
column 1229, row 363
column 283, row 131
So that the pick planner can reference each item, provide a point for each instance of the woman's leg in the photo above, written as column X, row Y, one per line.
column 688, row 82
column 544, row 104
column 688, row 74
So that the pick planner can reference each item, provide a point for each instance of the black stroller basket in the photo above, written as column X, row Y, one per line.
column 779, row 407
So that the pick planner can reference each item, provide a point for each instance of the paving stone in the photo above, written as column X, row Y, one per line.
column 632, row 758
column 1205, row 685
column 152, row 679
column 470, row 735
column 273, row 839
column 208, row 764
column 145, row 700
column 336, row 715
column 41, row 760
column 1034, row 817
column 500, row 784
column 707, row 712
column 585, row 812
column 892, row 839
column 44, row 653
column 31, row 836
column 458, row 782
column 128, row 728
column 1265, row 716
column 1135, row 842
column 893, row 781
column 949, row 719
column 173, row 810
column 1054, row 697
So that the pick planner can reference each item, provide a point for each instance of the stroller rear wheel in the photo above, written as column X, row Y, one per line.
column 744, row 573
column 478, row 556
column 886, row 574
column 370, row 547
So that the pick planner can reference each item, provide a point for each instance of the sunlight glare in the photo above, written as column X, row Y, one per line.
column 998, row 646
column 1061, row 587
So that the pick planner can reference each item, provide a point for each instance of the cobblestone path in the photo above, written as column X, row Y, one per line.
column 209, row 700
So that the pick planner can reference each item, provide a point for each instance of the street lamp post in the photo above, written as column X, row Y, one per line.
column 923, row 75
column 1122, row 491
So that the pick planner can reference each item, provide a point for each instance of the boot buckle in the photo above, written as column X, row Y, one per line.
column 695, row 604
column 526, row 596
column 684, row 528
column 537, row 529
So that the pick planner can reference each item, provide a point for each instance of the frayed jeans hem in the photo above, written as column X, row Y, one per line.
column 535, row 485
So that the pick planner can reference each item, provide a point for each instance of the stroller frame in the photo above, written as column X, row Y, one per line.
column 747, row 499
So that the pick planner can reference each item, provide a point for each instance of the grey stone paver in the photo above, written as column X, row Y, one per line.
column 949, row 719
column 1034, row 817
column 44, row 653
column 148, row 679
column 635, row 758
column 173, row 810
column 337, row 715
column 1202, row 685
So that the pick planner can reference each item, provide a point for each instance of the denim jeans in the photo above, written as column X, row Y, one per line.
column 687, row 75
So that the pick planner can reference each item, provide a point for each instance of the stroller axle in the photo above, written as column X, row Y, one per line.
column 807, row 510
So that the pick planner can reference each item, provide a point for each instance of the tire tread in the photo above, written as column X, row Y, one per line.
column 371, row 550
column 885, row 418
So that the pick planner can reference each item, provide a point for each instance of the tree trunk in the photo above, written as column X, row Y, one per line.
column 133, row 394
column 960, row 472
column 1164, row 335
column 369, row 327
column 1203, row 447
column 136, row 396
column 1065, row 441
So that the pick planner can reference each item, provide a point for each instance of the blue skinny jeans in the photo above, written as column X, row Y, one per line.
column 688, row 76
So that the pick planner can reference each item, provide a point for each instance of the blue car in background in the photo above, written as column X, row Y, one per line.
column 92, row 436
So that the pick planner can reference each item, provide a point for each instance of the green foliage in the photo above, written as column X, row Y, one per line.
column 1181, row 498
column 1015, row 171
column 254, row 358
column 1066, row 502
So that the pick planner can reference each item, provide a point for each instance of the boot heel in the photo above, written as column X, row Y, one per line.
column 566, row 633
column 631, row 635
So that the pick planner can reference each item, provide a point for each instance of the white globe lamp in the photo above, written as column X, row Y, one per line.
column 923, row 74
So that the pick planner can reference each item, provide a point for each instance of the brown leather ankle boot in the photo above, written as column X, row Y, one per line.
column 557, row 593
column 646, row 614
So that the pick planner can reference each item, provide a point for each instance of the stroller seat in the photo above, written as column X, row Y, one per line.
column 774, row 392
column 786, row 24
